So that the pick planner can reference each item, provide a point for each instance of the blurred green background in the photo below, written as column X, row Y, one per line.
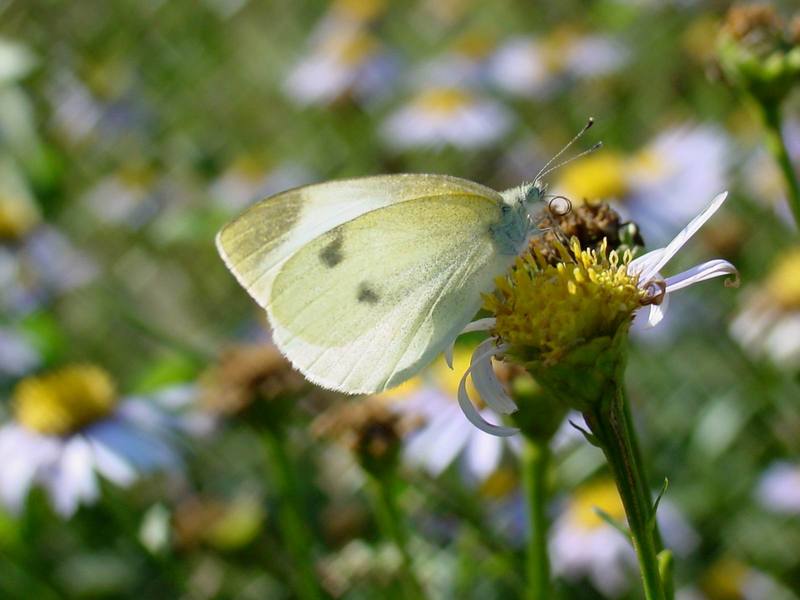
column 130, row 132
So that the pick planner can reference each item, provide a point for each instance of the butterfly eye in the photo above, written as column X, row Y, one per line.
column 505, row 209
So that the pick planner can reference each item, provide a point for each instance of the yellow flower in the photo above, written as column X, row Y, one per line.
column 553, row 307
column 783, row 283
column 596, row 177
column 601, row 495
column 65, row 400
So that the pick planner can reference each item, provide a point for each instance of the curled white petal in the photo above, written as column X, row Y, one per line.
column 655, row 262
column 478, row 325
column 485, row 379
column 657, row 312
column 475, row 417
column 448, row 354
column 702, row 272
column 646, row 262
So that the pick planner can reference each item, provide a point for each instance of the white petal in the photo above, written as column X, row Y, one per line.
column 483, row 454
column 479, row 325
column 475, row 417
column 652, row 266
column 485, row 379
column 702, row 272
column 657, row 312
column 72, row 481
column 111, row 465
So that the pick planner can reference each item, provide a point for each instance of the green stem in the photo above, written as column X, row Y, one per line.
column 383, row 492
column 777, row 147
column 535, row 460
column 611, row 426
column 293, row 528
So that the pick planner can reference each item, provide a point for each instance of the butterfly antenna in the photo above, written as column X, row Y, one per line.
column 545, row 169
column 595, row 147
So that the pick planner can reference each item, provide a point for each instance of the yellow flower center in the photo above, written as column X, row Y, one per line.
column 602, row 495
column 549, row 309
column 360, row 10
column 353, row 50
column 784, row 280
column 725, row 580
column 443, row 101
column 65, row 400
column 499, row 484
column 17, row 217
column 596, row 177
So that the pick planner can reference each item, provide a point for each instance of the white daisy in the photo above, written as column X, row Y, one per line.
column 583, row 545
column 447, row 116
column 42, row 265
column 659, row 187
column 68, row 427
column 446, row 435
column 630, row 284
column 768, row 323
column 247, row 180
column 344, row 60
column 17, row 354
column 536, row 68
column 779, row 488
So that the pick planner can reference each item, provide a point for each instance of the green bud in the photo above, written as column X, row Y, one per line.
column 758, row 53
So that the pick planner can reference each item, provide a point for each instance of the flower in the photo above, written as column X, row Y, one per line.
column 545, row 313
column 730, row 579
column 768, row 323
column 17, row 354
column 440, row 116
column 345, row 59
column 446, row 435
column 16, row 61
column 69, row 426
column 248, row 179
column 779, row 488
column 583, row 544
column 531, row 67
column 659, row 187
column 759, row 53
column 38, row 267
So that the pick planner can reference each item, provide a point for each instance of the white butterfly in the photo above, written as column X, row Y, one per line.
column 365, row 281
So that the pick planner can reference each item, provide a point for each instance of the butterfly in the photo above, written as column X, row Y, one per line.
column 366, row 280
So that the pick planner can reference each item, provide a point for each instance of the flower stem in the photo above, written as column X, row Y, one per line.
column 610, row 423
column 535, row 460
column 293, row 527
column 383, row 492
column 776, row 145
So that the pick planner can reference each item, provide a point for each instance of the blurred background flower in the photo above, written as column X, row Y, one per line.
column 130, row 132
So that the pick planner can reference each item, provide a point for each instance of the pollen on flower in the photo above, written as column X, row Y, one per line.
column 65, row 400
column 547, row 309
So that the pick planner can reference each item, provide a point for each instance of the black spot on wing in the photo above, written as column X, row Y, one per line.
column 331, row 255
column 367, row 294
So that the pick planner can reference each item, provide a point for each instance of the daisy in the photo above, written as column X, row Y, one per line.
column 37, row 267
column 536, row 68
column 583, row 545
column 69, row 427
column 768, row 323
column 661, row 186
column 590, row 293
column 344, row 60
column 442, row 116
column 17, row 354
column 248, row 179
column 16, row 61
column 779, row 488
column 446, row 436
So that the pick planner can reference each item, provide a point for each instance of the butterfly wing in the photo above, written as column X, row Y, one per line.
column 255, row 245
column 370, row 302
